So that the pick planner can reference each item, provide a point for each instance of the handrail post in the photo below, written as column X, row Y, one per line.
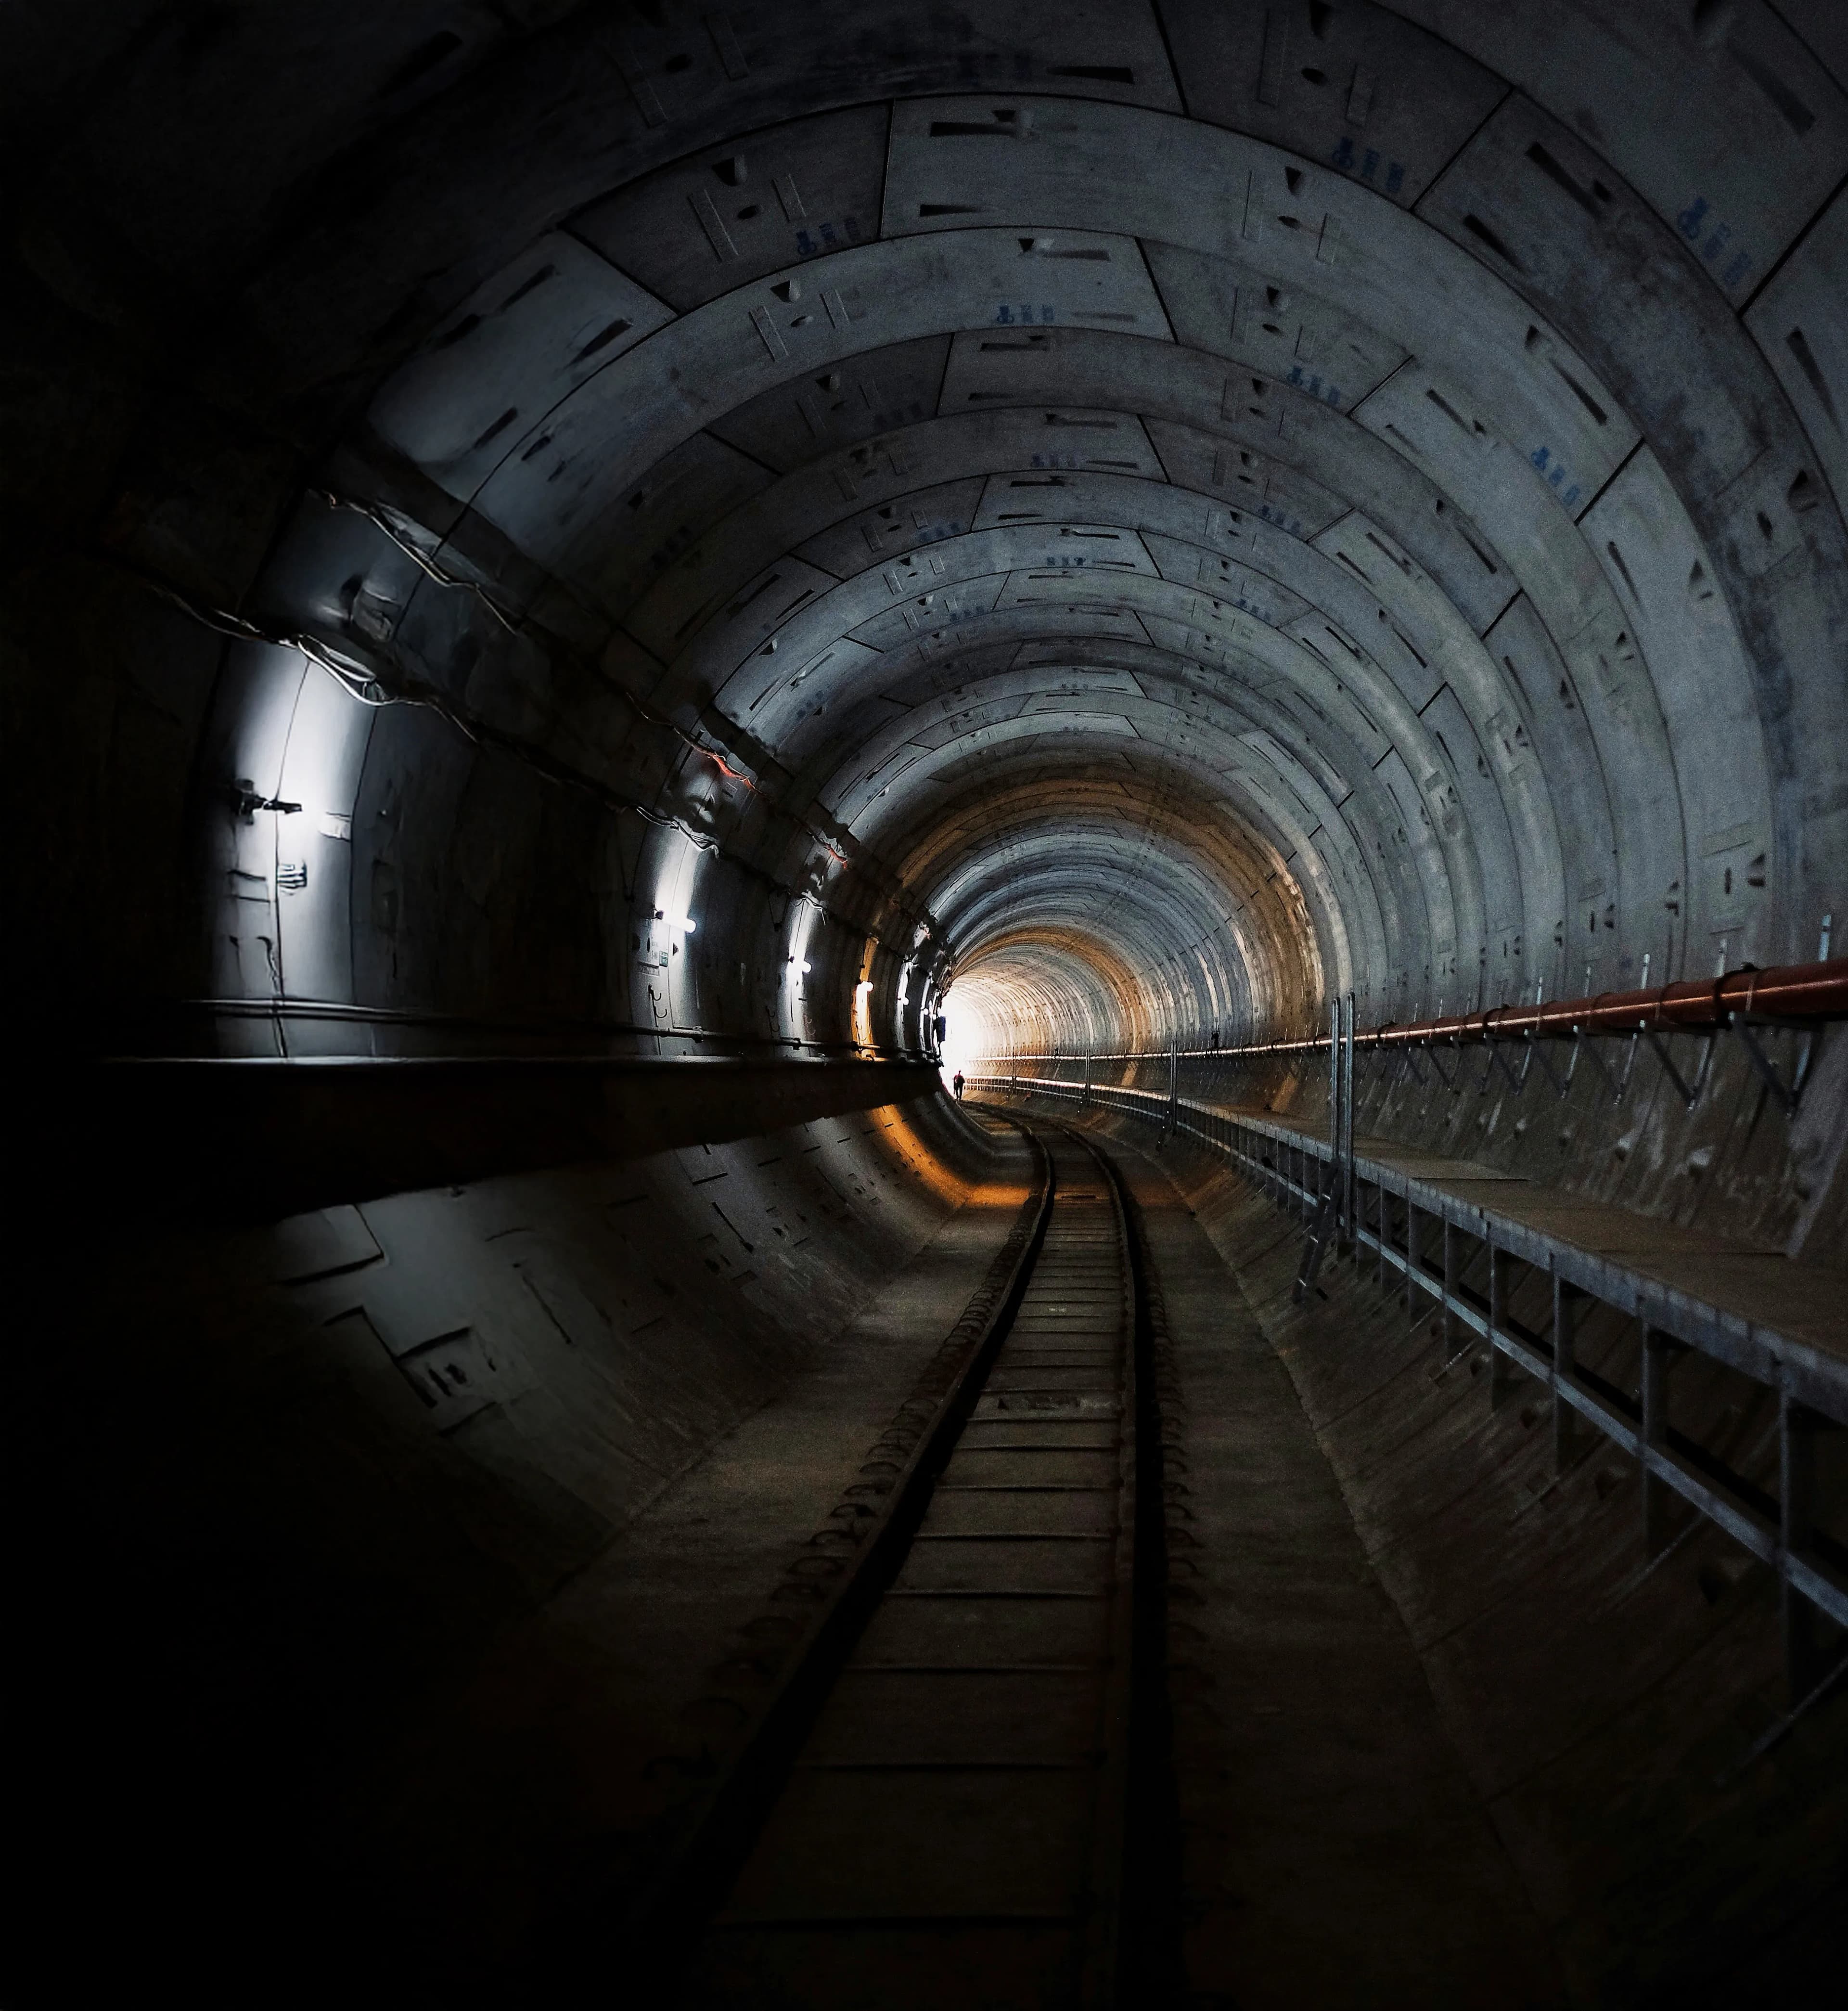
column 1347, row 1142
column 1659, row 1351
column 1797, row 1427
column 1334, row 1095
column 1501, row 1368
column 1565, row 1320
column 1414, row 1260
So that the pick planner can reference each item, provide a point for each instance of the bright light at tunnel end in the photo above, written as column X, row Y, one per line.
column 971, row 1032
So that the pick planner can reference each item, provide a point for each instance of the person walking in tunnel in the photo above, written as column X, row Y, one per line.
column 956, row 1085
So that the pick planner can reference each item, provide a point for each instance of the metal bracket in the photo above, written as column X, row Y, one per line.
column 1630, row 1065
column 1690, row 1097
column 1319, row 1235
column 1448, row 1081
column 1498, row 1060
column 1706, row 1068
column 1788, row 1097
column 246, row 800
column 1581, row 1045
column 1546, row 1067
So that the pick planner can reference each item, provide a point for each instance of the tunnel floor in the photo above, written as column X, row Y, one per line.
column 953, row 1828
column 1408, row 1720
column 1335, row 1850
column 687, row 1590
column 1315, row 1835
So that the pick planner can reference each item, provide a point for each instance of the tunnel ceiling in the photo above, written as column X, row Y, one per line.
column 1162, row 512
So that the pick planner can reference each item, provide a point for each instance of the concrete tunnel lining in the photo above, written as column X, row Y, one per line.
column 609, row 538
column 1457, row 889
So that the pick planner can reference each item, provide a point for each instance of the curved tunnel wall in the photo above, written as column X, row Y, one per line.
column 1290, row 499
column 1137, row 517
column 336, row 1601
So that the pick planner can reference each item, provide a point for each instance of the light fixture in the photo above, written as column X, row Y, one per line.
column 246, row 800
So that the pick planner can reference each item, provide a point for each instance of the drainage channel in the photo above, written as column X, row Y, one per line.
column 958, row 1823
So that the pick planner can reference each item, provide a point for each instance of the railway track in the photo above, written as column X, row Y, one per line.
column 956, row 1821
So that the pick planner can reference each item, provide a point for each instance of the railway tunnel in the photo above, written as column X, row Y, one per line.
column 599, row 599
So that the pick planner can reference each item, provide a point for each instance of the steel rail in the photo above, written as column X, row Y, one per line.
column 842, row 1571
column 1061, row 1374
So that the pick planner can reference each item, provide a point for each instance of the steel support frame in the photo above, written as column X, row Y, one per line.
column 1788, row 1095
column 1812, row 1389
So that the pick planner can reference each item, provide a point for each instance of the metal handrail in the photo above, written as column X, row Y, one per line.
column 1809, row 1381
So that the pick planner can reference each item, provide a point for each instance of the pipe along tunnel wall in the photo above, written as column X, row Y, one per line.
column 576, row 574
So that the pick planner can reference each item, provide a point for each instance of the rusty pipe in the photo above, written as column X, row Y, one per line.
column 1796, row 991
column 1792, row 991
